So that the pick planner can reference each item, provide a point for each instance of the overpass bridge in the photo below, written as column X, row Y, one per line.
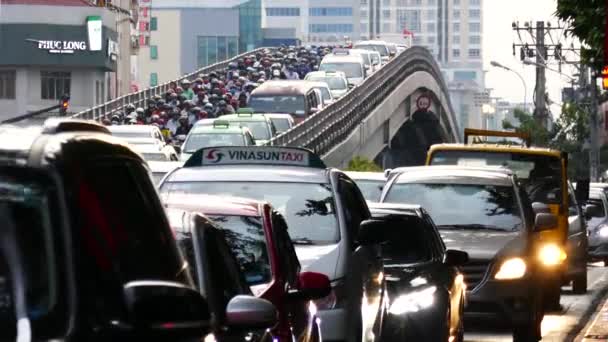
column 392, row 117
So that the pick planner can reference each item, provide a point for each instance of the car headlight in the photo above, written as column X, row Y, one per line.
column 551, row 255
column 513, row 268
column 602, row 231
column 413, row 301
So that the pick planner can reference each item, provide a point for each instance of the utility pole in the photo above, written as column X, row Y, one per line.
column 540, row 106
column 594, row 149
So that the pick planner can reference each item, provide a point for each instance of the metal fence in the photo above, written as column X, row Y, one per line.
column 138, row 99
column 332, row 125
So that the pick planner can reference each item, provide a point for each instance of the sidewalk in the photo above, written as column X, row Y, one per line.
column 597, row 328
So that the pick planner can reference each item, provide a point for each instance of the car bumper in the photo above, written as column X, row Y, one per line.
column 597, row 250
column 420, row 326
column 333, row 327
column 508, row 300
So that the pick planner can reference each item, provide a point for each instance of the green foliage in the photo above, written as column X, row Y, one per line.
column 539, row 135
column 587, row 20
column 363, row 164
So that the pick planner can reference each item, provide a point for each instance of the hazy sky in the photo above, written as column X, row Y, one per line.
column 497, row 46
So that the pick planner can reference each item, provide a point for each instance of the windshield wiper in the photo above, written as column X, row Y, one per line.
column 302, row 241
column 472, row 226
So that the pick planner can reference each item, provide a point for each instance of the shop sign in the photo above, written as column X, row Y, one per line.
column 60, row 46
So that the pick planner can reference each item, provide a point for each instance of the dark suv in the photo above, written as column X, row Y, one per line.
column 86, row 251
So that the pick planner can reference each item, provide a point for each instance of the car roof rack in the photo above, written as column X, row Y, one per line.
column 63, row 125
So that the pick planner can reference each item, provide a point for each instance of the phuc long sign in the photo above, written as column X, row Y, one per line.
column 60, row 46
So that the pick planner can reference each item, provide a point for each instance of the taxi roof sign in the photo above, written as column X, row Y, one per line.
column 221, row 124
column 255, row 155
column 245, row 110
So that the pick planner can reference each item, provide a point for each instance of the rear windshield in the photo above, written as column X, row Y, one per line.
column 336, row 83
column 201, row 140
column 281, row 124
column 382, row 49
column 371, row 189
column 352, row 70
column 540, row 175
column 277, row 103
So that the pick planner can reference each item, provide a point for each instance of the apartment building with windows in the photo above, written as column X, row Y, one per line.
column 187, row 34
column 314, row 21
column 47, row 54
column 450, row 29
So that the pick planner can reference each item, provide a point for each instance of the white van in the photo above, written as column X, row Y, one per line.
column 351, row 65
column 375, row 45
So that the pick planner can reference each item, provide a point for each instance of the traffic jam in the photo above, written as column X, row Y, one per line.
column 261, row 243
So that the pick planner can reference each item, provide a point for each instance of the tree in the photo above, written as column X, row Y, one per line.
column 587, row 21
column 527, row 124
column 363, row 164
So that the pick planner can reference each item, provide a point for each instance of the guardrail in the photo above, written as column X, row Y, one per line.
column 138, row 99
column 332, row 125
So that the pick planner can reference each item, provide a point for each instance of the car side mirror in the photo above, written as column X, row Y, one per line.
column 544, row 221
column 178, row 149
column 455, row 257
column 313, row 110
column 311, row 286
column 249, row 312
column 387, row 172
column 373, row 231
column 539, row 207
column 351, row 86
column 166, row 307
column 591, row 210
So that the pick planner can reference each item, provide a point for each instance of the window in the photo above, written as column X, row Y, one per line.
column 417, row 40
column 354, row 211
column 153, row 79
column 432, row 2
column 456, row 2
column 474, row 53
column 330, row 11
column 465, row 75
column 386, row 28
column 430, row 27
column 416, row 2
column 363, row 27
column 456, row 14
column 386, row 2
column 153, row 24
column 456, row 27
column 283, row 11
column 456, row 53
column 99, row 91
column 473, row 2
column 456, row 40
column 474, row 27
column 212, row 47
column 475, row 40
column 431, row 14
column 363, row 2
column 54, row 84
column 289, row 260
column 474, row 14
column 409, row 19
column 386, row 13
column 363, row 14
column 430, row 39
column 153, row 52
column 7, row 84
column 330, row 28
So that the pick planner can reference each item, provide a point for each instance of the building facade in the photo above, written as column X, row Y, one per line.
column 47, row 54
column 314, row 21
column 186, row 35
column 450, row 29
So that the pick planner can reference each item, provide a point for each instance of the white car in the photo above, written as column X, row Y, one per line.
column 153, row 152
column 137, row 131
column 324, row 92
column 351, row 65
column 336, row 80
column 375, row 45
column 282, row 122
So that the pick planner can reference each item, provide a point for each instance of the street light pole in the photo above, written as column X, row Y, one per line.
column 498, row 65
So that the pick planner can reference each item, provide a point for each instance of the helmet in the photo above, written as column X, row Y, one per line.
column 130, row 107
column 139, row 110
column 222, row 103
column 208, row 107
column 195, row 110
column 186, row 82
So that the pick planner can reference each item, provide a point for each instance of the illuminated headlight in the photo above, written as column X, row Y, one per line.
column 603, row 231
column 551, row 255
column 513, row 268
column 413, row 301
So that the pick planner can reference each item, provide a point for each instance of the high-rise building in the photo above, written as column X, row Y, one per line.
column 313, row 21
column 450, row 29
column 188, row 34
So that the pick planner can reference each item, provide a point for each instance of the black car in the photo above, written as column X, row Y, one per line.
column 427, row 290
column 484, row 212
column 86, row 251
column 219, row 278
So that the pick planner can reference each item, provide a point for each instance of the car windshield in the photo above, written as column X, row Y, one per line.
column 334, row 83
column 277, row 104
column 540, row 175
column 352, row 70
column 259, row 129
column 200, row 140
column 308, row 208
column 246, row 239
column 599, row 211
column 383, row 50
column 281, row 124
column 29, row 213
column 407, row 246
column 325, row 94
column 463, row 206
column 370, row 189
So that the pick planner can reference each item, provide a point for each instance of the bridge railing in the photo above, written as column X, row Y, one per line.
column 332, row 125
column 139, row 98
